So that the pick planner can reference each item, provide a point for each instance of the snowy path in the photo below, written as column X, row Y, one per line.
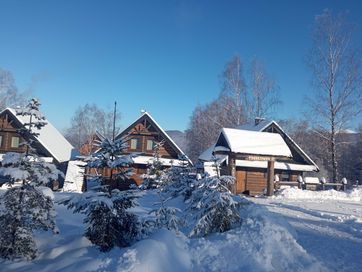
column 330, row 230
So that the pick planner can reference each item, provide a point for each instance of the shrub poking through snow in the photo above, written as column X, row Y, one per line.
column 25, row 207
column 107, row 216
column 214, row 207
column 166, row 217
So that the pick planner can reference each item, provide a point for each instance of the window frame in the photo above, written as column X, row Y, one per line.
column 11, row 141
column 138, row 143
column 152, row 144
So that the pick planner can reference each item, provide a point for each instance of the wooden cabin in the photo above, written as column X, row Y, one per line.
column 142, row 135
column 244, row 153
column 49, row 144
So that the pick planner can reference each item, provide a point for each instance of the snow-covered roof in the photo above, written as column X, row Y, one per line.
column 264, row 124
column 258, row 143
column 256, row 127
column 148, row 159
column 162, row 132
column 277, row 165
column 49, row 137
column 207, row 154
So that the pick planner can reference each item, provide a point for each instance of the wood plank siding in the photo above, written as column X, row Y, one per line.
column 253, row 181
column 141, row 136
column 8, row 135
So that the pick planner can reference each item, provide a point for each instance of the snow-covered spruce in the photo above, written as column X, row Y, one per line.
column 108, row 221
column 166, row 217
column 25, row 209
column 214, row 207
column 155, row 172
column 177, row 179
column 109, row 156
column 25, row 206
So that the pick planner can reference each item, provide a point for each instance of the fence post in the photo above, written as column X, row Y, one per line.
column 323, row 181
column 344, row 184
column 300, row 182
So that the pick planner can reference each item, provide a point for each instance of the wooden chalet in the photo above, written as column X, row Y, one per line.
column 49, row 144
column 142, row 135
column 245, row 152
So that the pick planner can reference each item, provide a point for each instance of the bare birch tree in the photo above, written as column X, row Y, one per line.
column 336, row 71
column 86, row 121
column 234, row 91
column 205, row 125
column 235, row 105
column 263, row 91
column 9, row 94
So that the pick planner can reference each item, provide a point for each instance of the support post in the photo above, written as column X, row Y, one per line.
column 270, row 178
column 232, row 170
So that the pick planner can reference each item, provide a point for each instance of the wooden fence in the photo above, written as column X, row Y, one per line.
column 311, row 185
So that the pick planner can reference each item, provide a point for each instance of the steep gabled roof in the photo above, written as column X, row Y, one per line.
column 255, row 142
column 49, row 138
column 264, row 125
column 159, row 129
column 256, row 127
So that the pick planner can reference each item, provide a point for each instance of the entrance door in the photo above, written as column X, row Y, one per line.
column 240, row 181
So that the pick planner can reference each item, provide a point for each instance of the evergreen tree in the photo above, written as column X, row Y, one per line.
column 110, row 155
column 178, row 180
column 109, row 221
column 25, row 207
column 155, row 172
column 215, row 208
column 107, row 216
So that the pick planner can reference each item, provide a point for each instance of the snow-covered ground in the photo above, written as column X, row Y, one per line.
column 285, row 233
column 328, row 224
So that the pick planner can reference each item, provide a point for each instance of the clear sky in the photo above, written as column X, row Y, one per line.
column 162, row 56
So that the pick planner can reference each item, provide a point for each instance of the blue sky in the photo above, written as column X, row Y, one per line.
column 162, row 56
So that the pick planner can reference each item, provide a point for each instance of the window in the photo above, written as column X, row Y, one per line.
column 285, row 176
column 149, row 145
column 134, row 143
column 15, row 142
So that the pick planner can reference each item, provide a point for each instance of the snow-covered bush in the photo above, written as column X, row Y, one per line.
column 110, row 155
column 109, row 221
column 166, row 217
column 24, row 209
column 178, row 179
column 155, row 173
column 107, row 216
column 215, row 208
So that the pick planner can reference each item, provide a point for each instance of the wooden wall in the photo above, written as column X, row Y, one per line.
column 253, row 181
column 8, row 129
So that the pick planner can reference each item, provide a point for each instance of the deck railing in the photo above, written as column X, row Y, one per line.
column 313, row 185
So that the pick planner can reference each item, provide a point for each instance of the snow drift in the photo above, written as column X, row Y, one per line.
column 295, row 193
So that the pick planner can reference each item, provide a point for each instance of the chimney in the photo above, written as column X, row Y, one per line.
column 258, row 120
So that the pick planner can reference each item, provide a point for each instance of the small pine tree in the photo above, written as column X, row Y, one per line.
column 155, row 172
column 109, row 221
column 26, row 208
column 166, row 217
column 19, row 218
column 111, row 156
column 107, row 216
column 178, row 180
column 215, row 208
